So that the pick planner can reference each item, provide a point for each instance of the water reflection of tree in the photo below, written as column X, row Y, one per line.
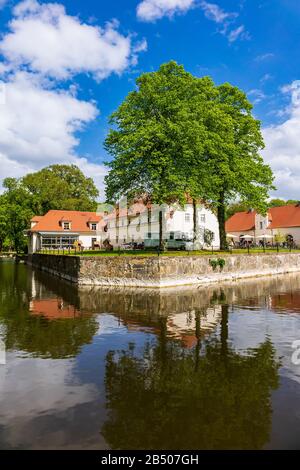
column 36, row 334
column 168, row 397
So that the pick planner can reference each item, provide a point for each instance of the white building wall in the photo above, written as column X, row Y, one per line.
column 294, row 231
column 86, row 240
column 180, row 221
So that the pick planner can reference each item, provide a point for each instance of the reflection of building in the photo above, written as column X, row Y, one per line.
column 53, row 309
column 287, row 302
column 284, row 220
column 183, row 325
column 179, row 326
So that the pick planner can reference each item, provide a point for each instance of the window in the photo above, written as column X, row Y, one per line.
column 202, row 218
column 172, row 235
column 57, row 242
column 66, row 225
column 187, row 217
column 93, row 226
column 149, row 235
column 261, row 225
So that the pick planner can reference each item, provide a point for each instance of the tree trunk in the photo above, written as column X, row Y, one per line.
column 195, row 222
column 161, row 231
column 149, row 212
column 221, row 220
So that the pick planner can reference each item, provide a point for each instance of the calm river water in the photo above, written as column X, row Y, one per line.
column 133, row 369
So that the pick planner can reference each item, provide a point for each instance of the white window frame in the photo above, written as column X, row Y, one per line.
column 187, row 217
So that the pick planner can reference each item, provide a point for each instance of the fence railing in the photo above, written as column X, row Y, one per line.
column 247, row 249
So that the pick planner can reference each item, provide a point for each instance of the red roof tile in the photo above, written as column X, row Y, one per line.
column 241, row 221
column 51, row 222
column 285, row 216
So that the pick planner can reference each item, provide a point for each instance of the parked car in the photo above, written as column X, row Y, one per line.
column 178, row 244
column 132, row 246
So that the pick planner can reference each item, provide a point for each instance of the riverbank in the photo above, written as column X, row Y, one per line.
column 158, row 272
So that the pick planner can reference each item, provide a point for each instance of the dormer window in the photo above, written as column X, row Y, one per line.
column 66, row 225
column 93, row 226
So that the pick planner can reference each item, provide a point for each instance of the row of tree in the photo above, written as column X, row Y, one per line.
column 55, row 187
column 177, row 135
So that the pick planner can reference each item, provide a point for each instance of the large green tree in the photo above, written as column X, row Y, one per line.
column 16, row 212
column 156, row 132
column 234, row 166
column 177, row 134
column 60, row 187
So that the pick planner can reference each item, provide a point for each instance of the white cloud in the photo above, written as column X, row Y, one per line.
column 262, row 57
column 256, row 95
column 65, row 45
column 215, row 13
column 151, row 10
column 238, row 33
column 39, row 124
column 38, row 127
column 282, row 150
column 40, row 121
column 265, row 78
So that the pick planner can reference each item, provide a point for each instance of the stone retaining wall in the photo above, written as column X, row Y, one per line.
column 163, row 271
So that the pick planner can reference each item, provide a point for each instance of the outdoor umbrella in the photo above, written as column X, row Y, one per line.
column 265, row 236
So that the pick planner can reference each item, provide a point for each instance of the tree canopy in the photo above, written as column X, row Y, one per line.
column 178, row 134
column 60, row 187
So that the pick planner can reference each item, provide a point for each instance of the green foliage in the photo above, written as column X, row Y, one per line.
column 60, row 187
column 178, row 134
column 279, row 237
column 208, row 237
column 54, row 187
column 281, row 202
column 16, row 213
column 234, row 207
column 221, row 263
column 157, row 131
column 214, row 263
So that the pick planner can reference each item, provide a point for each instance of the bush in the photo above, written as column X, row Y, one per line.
column 214, row 263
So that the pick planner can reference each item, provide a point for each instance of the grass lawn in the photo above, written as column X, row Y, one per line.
column 171, row 253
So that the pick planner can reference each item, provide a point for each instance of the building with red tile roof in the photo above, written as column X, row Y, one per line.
column 61, row 229
column 283, row 220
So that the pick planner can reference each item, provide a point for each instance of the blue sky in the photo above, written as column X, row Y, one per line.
column 65, row 67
